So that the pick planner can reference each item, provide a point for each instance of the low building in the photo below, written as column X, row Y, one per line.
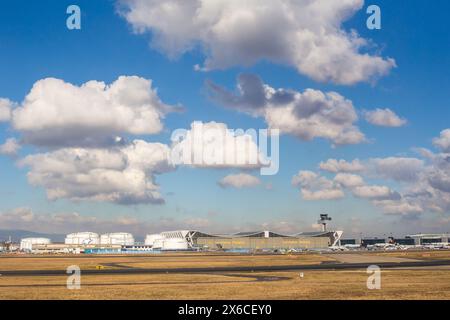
column 56, row 248
column 429, row 238
column 62, row 248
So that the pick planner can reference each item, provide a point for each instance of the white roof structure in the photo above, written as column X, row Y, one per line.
column 179, row 234
column 430, row 235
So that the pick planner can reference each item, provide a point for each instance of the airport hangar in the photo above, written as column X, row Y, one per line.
column 269, row 240
column 258, row 240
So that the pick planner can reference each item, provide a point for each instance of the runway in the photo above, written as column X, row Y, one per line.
column 318, row 267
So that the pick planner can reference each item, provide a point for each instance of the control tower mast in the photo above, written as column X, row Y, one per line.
column 324, row 218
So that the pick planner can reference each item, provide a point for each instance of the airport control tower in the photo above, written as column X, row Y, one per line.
column 324, row 218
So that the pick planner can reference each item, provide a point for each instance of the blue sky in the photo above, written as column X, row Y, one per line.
column 35, row 44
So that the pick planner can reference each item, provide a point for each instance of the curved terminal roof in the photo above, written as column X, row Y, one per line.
column 192, row 234
column 259, row 234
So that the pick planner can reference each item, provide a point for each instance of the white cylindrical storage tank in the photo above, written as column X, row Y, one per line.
column 175, row 244
column 150, row 239
column 82, row 238
column 118, row 238
column 26, row 244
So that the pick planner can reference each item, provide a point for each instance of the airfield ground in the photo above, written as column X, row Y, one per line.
column 205, row 276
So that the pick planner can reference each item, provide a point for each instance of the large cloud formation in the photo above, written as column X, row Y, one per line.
column 423, row 183
column 87, row 131
column 306, row 34
column 56, row 113
column 306, row 115
column 123, row 175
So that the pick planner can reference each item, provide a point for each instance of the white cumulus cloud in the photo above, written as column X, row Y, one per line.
column 305, row 34
column 397, row 168
column 348, row 180
column 314, row 187
column 384, row 118
column 423, row 183
column 399, row 207
column 10, row 148
column 305, row 115
column 56, row 113
column 124, row 175
column 336, row 166
column 375, row 192
column 239, row 181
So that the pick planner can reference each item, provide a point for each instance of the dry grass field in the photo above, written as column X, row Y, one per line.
column 156, row 261
column 421, row 255
column 420, row 283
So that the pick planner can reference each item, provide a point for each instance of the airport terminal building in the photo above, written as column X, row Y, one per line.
column 257, row 240
column 427, row 239
column 181, row 240
column 186, row 240
column 260, row 240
